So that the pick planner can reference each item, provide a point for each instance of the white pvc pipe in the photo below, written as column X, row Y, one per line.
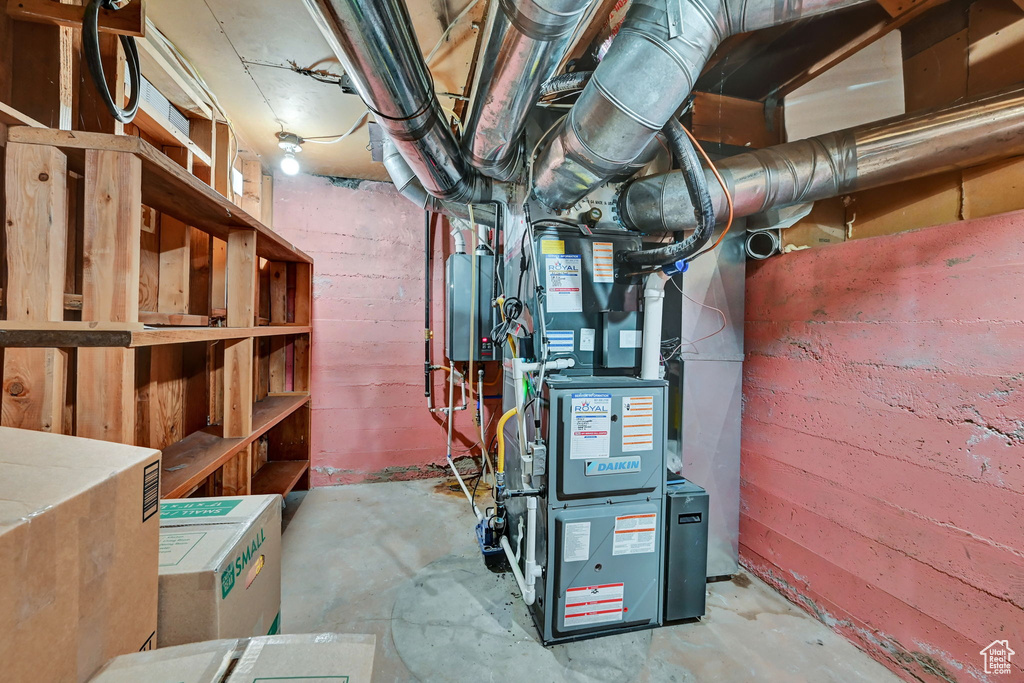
column 654, row 303
column 514, row 563
column 532, row 570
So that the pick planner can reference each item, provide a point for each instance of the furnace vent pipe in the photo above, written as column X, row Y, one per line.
column 525, row 45
column 376, row 44
column 897, row 149
column 409, row 186
column 646, row 76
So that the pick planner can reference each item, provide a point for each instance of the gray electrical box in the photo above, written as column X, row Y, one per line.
column 460, row 307
column 686, row 550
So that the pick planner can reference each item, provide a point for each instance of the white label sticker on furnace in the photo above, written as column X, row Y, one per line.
column 635, row 534
column 563, row 284
column 604, row 262
column 561, row 341
column 576, row 542
column 593, row 605
column 590, row 424
column 587, row 336
column 630, row 339
column 637, row 423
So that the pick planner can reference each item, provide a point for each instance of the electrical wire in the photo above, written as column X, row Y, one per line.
column 725, row 322
column 332, row 139
column 444, row 36
column 725, row 189
column 94, row 60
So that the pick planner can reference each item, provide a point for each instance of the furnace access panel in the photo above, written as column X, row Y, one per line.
column 606, row 437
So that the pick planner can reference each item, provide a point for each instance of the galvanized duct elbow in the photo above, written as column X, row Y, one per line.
column 646, row 76
column 897, row 149
column 526, row 43
column 376, row 44
column 408, row 185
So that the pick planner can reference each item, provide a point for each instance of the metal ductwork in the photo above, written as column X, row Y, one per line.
column 648, row 73
column 897, row 149
column 375, row 42
column 410, row 187
column 526, row 43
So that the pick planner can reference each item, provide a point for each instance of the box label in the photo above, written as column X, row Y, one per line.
column 178, row 509
column 174, row 547
column 576, row 542
column 637, row 423
column 635, row 534
column 563, row 284
column 612, row 466
column 250, row 553
column 604, row 262
column 150, row 490
column 593, row 605
column 590, row 423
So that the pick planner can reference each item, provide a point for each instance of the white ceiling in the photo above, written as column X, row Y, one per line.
column 243, row 49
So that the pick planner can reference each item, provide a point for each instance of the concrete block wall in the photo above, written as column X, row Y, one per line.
column 370, row 421
column 883, row 442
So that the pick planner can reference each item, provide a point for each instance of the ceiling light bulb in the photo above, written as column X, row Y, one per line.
column 289, row 164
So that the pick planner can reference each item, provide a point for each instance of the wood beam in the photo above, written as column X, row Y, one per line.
column 34, row 380
column 110, row 292
column 130, row 20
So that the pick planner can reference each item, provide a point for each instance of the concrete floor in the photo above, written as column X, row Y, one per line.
column 399, row 560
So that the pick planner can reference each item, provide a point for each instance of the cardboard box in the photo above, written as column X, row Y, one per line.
column 220, row 568
column 79, row 538
column 205, row 662
column 309, row 657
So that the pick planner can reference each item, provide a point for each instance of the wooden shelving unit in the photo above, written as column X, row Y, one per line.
column 142, row 306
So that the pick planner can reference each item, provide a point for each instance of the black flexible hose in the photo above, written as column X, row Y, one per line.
column 427, row 361
column 91, row 48
column 704, row 211
column 565, row 83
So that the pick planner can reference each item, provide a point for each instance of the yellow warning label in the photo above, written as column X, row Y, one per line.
column 552, row 247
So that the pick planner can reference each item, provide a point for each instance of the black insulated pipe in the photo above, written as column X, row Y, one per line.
column 427, row 360
column 700, row 196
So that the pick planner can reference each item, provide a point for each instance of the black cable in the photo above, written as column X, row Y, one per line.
column 93, row 58
column 700, row 197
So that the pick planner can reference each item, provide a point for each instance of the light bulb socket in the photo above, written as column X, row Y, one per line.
column 289, row 142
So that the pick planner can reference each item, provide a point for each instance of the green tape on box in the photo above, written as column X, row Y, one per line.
column 178, row 509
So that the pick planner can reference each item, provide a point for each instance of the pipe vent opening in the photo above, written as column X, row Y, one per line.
column 763, row 244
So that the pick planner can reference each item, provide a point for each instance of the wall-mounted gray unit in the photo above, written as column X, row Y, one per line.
column 460, row 305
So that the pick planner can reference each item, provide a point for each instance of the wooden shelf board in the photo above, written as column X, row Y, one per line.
column 12, row 117
column 278, row 476
column 75, row 334
column 186, row 463
column 166, row 187
column 274, row 408
column 156, row 124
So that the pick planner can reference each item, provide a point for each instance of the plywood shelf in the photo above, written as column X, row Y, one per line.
column 279, row 476
column 86, row 335
column 188, row 462
column 166, row 186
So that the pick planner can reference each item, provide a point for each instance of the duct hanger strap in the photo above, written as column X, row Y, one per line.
column 412, row 133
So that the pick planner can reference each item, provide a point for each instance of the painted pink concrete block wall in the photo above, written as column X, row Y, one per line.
column 883, row 442
column 370, row 421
